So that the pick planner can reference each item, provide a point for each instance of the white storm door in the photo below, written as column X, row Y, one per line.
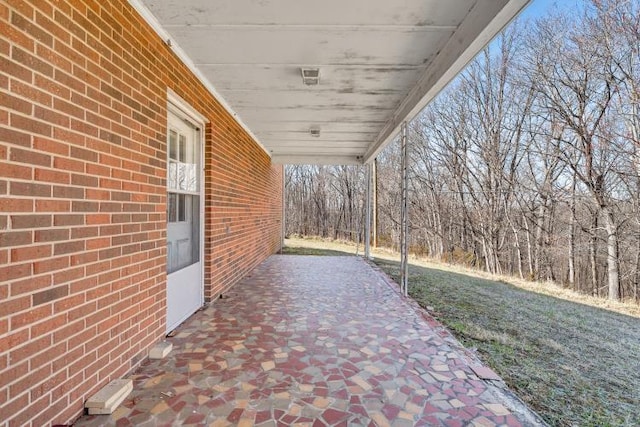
column 184, row 225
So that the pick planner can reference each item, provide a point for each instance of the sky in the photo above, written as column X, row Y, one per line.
column 539, row 8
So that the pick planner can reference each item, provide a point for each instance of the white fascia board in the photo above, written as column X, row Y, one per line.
column 328, row 160
column 164, row 35
column 451, row 60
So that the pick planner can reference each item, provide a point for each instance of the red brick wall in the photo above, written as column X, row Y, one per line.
column 243, row 206
column 83, row 95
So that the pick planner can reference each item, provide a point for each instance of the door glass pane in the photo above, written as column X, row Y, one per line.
column 171, row 207
column 187, row 177
column 182, row 154
column 182, row 171
column 183, row 199
column 172, row 175
column 182, row 211
column 173, row 145
column 193, row 202
column 183, row 235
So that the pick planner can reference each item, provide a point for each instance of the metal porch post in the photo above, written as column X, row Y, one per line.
column 367, row 222
column 374, row 183
column 404, row 230
column 284, row 209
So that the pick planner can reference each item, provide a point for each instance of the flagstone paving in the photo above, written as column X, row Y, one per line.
column 312, row 341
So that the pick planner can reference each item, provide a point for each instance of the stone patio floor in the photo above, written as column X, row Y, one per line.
column 313, row 341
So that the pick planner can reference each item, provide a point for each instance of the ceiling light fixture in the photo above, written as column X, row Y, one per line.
column 310, row 76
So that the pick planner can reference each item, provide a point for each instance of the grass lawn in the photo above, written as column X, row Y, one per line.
column 573, row 363
column 313, row 251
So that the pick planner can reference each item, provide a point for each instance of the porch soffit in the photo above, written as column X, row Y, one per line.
column 380, row 63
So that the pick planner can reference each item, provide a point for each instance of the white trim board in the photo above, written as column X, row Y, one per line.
column 179, row 106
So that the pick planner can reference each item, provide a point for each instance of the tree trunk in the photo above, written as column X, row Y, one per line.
column 529, row 246
column 498, row 264
column 613, row 275
column 593, row 246
column 572, row 237
column 487, row 259
column 539, row 240
column 518, row 252
column 636, row 282
column 336, row 230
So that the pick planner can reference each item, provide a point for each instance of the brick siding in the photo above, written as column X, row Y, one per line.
column 83, row 119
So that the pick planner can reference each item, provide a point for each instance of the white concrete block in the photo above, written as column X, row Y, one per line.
column 109, row 397
column 103, row 411
column 160, row 350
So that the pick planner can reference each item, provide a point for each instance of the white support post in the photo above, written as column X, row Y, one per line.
column 284, row 209
column 367, row 222
column 374, row 212
column 404, row 230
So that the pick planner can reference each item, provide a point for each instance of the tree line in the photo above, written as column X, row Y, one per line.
column 528, row 164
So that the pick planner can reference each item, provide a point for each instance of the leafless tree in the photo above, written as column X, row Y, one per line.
column 527, row 164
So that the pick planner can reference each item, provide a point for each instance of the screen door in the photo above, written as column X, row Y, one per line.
column 184, row 229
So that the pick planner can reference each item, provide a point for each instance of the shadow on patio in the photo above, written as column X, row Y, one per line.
column 314, row 341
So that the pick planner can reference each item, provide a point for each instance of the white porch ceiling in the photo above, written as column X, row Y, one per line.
column 380, row 61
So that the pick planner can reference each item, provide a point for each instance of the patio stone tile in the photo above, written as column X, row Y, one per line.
column 311, row 341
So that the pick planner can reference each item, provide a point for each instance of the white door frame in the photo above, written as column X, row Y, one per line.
column 181, row 109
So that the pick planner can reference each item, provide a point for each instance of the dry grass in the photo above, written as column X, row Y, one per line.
column 573, row 358
column 305, row 246
column 546, row 288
